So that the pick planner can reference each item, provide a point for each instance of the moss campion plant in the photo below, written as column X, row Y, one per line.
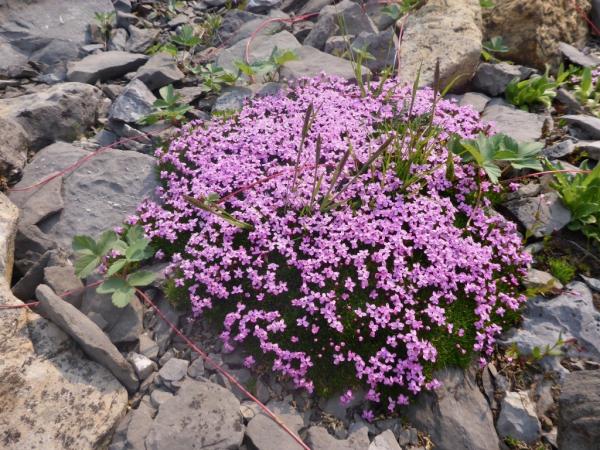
column 334, row 235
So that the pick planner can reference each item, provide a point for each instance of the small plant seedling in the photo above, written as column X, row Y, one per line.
column 587, row 92
column 122, row 256
column 186, row 38
column 539, row 89
column 580, row 192
column 106, row 22
column 214, row 78
column 268, row 68
column 492, row 47
column 489, row 152
column 487, row 4
column 398, row 10
column 167, row 108
column 562, row 269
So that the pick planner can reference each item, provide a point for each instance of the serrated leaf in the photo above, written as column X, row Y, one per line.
column 106, row 242
column 84, row 244
column 136, row 251
column 116, row 266
column 111, row 285
column 134, row 233
column 141, row 278
column 122, row 297
column 86, row 264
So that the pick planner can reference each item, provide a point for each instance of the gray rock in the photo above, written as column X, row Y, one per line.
column 381, row 45
column 475, row 100
column 559, row 149
column 158, row 397
column 318, row 438
column 122, row 5
column 265, row 435
column 160, row 70
column 518, row 124
column 174, row 370
column 118, row 39
column 577, row 56
column 262, row 5
column 258, row 27
column 97, row 195
column 201, row 414
column 25, row 287
column 120, row 324
column 569, row 100
column 9, row 215
column 591, row 148
column 261, row 48
column 141, row 39
column 312, row 62
column 338, row 45
column 87, row 334
column 447, row 31
column 62, row 112
column 593, row 283
column 232, row 99
column 492, row 79
column 539, row 279
column 133, row 104
column 105, row 66
column 385, row 441
column 233, row 21
column 142, row 365
column 196, row 369
column 13, row 149
column 456, row 415
column 579, row 411
column 148, row 347
column 344, row 18
column 570, row 315
column 541, row 215
column 49, row 32
column 518, row 419
column 139, row 426
column 335, row 407
column 588, row 125
column 271, row 89
column 162, row 331
column 62, row 279
column 30, row 245
column 382, row 21
column 13, row 63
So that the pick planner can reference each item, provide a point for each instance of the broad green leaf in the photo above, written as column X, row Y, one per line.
column 106, row 242
column 116, row 267
column 86, row 264
column 141, row 278
column 134, row 233
column 84, row 244
column 122, row 297
column 111, row 285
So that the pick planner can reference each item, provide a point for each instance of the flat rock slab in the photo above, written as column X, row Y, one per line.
column 571, row 315
column 318, row 438
column 312, row 62
column 61, row 112
column 520, row 125
column 266, row 435
column 105, row 66
column 97, row 195
column 202, row 415
column 541, row 215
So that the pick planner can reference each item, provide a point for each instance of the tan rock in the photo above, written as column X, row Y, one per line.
column 448, row 31
column 8, row 229
column 533, row 29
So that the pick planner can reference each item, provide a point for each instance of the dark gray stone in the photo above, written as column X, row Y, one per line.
column 456, row 415
column 87, row 334
column 475, row 100
column 141, row 39
column 133, row 104
column 520, row 125
column 591, row 148
column 260, row 6
column 25, row 287
column 202, row 414
column 30, row 244
column 593, row 283
column 312, row 62
column 577, row 56
column 232, row 99
column 105, row 66
column 590, row 126
column 162, row 331
column 385, row 441
column 571, row 315
column 62, row 280
column 569, row 100
column 381, row 45
column 147, row 346
column 97, row 195
column 259, row 27
column 518, row 418
column 492, row 79
column 325, row 28
column 579, row 411
column 541, row 215
column 160, row 70
column 118, row 39
column 196, row 369
column 559, row 149
column 62, row 112
column 174, row 370
column 14, row 146
column 318, row 438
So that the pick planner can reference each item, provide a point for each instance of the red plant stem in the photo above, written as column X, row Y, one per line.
column 23, row 305
column 585, row 17
column 222, row 371
column 547, row 172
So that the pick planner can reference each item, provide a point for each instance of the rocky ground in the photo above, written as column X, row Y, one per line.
column 81, row 373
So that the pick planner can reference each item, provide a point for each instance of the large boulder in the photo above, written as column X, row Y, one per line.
column 447, row 31
column 62, row 112
column 579, row 411
column 51, row 397
column 97, row 195
column 456, row 415
column 532, row 30
column 49, row 32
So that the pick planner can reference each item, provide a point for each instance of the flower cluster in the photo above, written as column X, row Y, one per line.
column 343, row 276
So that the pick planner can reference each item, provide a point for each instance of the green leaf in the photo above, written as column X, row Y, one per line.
column 111, row 285
column 122, row 297
column 141, row 278
column 84, row 244
column 106, row 242
column 86, row 264
column 116, row 266
column 139, row 251
column 134, row 233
